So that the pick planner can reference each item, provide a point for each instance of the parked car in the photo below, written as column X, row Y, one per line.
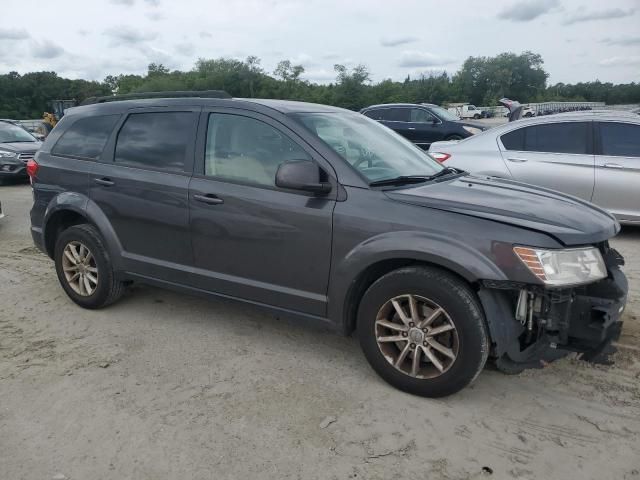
column 422, row 123
column 592, row 155
column 17, row 146
column 38, row 128
column 322, row 214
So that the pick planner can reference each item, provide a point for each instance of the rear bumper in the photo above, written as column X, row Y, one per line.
column 38, row 238
column 585, row 319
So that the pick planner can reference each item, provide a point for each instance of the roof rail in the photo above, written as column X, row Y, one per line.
column 170, row 94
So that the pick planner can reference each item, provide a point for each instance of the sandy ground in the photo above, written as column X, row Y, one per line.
column 163, row 385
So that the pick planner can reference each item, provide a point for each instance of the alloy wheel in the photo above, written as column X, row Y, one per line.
column 80, row 269
column 416, row 336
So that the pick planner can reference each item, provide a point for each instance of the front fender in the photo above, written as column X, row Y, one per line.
column 446, row 252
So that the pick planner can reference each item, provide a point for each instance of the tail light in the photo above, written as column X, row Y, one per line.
column 32, row 168
column 440, row 156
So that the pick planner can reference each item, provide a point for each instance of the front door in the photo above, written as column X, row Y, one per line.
column 424, row 128
column 141, row 185
column 617, row 186
column 556, row 155
column 251, row 239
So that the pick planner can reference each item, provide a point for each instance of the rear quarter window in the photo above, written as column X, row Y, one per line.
column 620, row 139
column 86, row 138
column 513, row 140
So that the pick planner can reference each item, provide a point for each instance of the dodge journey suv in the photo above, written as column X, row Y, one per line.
column 324, row 214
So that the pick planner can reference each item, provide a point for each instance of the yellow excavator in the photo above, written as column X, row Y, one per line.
column 58, row 107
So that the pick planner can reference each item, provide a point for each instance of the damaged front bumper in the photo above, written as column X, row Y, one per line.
column 531, row 325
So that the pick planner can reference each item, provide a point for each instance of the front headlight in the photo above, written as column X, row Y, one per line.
column 471, row 130
column 6, row 154
column 573, row 266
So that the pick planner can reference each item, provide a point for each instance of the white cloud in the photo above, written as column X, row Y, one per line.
column 13, row 34
column 609, row 14
column 125, row 35
column 396, row 41
column 46, row 49
column 633, row 60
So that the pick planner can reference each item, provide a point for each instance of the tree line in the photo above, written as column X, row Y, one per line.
column 480, row 80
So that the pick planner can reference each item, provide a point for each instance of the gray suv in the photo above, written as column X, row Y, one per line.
column 323, row 214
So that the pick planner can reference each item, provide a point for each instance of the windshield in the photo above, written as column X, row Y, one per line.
column 11, row 133
column 443, row 114
column 372, row 149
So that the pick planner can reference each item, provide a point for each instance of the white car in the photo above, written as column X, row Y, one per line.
column 591, row 155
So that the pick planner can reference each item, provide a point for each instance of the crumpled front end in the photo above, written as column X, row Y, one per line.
column 531, row 325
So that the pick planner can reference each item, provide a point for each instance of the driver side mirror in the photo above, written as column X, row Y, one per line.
column 302, row 175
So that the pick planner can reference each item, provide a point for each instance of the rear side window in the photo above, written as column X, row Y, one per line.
column 570, row 137
column 620, row 139
column 86, row 138
column 158, row 140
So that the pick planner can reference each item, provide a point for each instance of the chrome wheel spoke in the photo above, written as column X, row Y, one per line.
column 429, row 354
column 400, row 311
column 88, row 258
column 441, row 329
column 392, row 338
column 392, row 326
column 447, row 352
column 79, row 268
column 92, row 270
column 91, row 278
column 413, row 308
column 70, row 268
column 429, row 320
column 415, row 363
column 87, row 285
column 69, row 255
column 403, row 354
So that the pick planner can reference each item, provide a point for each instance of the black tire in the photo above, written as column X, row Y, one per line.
column 463, row 309
column 476, row 117
column 454, row 137
column 108, row 289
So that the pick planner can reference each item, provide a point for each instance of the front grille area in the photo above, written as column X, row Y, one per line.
column 26, row 156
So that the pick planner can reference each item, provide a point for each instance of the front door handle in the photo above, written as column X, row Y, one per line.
column 517, row 159
column 105, row 182
column 209, row 199
column 411, row 128
column 612, row 165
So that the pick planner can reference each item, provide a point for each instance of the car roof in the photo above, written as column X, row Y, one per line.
column 283, row 106
column 586, row 115
column 387, row 105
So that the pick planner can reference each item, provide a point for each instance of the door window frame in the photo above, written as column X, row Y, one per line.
column 201, row 145
column 108, row 154
column 438, row 121
column 590, row 138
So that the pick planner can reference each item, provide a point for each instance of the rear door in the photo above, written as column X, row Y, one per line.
column 142, row 186
column 557, row 155
column 617, row 180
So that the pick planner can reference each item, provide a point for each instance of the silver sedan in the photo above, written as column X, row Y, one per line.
column 591, row 155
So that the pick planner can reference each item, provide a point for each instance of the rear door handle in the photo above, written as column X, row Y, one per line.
column 612, row 165
column 209, row 199
column 105, row 182
column 517, row 159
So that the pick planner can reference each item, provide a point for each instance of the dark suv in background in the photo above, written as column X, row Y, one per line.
column 322, row 214
column 422, row 123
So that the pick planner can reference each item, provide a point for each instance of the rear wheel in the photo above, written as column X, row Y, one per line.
column 84, row 268
column 423, row 331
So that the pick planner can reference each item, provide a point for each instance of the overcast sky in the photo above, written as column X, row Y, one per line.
column 580, row 40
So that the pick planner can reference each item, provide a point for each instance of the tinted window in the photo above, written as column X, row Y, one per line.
column 155, row 140
column 421, row 116
column 247, row 150
column 376, row 114
column 87, row 137
column 513, row 140
column 620, row 139
column 570, row 137
column 397, row 114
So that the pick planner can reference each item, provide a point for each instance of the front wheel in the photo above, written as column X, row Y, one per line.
column 423, row 331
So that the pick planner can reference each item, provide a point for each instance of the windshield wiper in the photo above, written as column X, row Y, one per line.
column 407, row 179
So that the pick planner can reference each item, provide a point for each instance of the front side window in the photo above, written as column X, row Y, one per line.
column 372, row 149
column 376, row 113
column 569, row 137
column 620, row 139
column 247, row 150
column 157, row 140
column 86, row 138
column 418, row 115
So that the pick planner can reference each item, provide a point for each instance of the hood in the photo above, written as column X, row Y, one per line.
column 21, row 147
column 568, row 219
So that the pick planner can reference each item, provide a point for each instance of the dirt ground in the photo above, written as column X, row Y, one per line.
column 163, row 385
